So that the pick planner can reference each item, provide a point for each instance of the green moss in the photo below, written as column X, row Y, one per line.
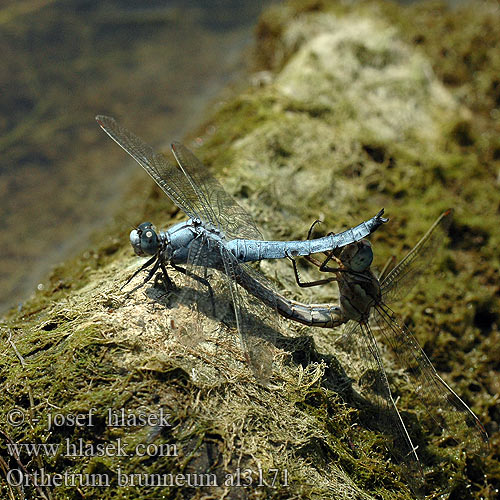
column 336, row 135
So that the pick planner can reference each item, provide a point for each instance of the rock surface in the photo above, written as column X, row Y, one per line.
column 352, row 108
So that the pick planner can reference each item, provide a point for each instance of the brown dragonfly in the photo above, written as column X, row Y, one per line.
column 371, row 324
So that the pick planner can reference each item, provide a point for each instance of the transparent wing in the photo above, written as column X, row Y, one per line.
column 255, row 322
column 398, row 282
column 366, row 366
column 214, row 311
column 229, row 304
column 169, row 177
column 198, row 311
column 443, row 405
column 215, row 204
column 262, row 297
column 351, row 329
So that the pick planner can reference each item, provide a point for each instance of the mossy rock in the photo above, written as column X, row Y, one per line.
column 351, row 108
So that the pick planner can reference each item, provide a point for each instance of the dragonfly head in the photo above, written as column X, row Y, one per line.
column 144, row 239
column 357, row 256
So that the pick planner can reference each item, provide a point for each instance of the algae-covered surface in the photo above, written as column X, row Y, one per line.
column 352, row 107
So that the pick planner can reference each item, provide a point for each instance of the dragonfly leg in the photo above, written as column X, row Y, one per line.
column 330, row 254
column 312, row 260
column 309, row 283
column 148, row 277
column 167, row 282
column 199, row 279
column 309, row 233
column 324, row 268
column 144, row 266
column 322, row 265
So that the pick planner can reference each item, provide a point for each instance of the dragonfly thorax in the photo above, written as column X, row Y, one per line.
column 358, row 286
column 189, row 238
column 359, row 292
column 144, row 239
column 207, row 227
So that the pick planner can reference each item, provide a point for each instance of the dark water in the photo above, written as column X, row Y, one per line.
column 153, row 64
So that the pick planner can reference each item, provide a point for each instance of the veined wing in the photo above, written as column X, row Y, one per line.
column 195, row 293
column 251, row 317
column 367, row 367
column 398, row 282
column 216, row 205
column 254, row 321
column 445, row 407
column 170, row 178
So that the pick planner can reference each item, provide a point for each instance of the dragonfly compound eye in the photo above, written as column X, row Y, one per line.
column 144, row 239
column 363, row 258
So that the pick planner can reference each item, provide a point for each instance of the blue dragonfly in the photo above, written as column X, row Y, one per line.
column 219, row 234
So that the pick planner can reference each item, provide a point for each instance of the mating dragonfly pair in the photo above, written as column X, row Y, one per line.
column 221, row 235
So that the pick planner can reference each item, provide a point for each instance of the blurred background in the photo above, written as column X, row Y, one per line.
column 154, row 65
